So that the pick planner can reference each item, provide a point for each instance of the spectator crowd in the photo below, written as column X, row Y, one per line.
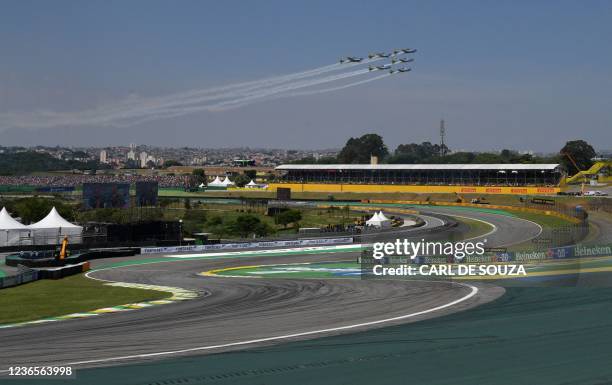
column 78, row 180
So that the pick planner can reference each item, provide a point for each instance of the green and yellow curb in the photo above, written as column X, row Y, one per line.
column 178, row 295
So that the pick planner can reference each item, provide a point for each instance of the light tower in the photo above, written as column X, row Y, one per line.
column 442, row 135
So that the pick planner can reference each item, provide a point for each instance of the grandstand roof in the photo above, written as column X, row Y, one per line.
column 459, row 166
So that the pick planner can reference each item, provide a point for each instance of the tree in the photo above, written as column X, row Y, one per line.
column 263, row 229
column 459, row 157
column 199, row 176
column 244, row 225
column 215, row 221
column 251, row 174
column 359, row 150
column 287, row 217
column 581, row 152
column 241, row 180
column 487, row 157
column 34, row 209
column 425, row 152
column 22, row 163
column 172, row 162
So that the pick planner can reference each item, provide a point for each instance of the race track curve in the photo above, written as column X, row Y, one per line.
column 231, row 311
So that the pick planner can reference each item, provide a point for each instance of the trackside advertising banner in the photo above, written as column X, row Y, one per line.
column 248, row 245
column 577, row 251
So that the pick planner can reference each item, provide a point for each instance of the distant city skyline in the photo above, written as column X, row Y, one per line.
column 525, row 75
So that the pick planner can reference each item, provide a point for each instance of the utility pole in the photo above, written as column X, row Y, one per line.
column 442, row 135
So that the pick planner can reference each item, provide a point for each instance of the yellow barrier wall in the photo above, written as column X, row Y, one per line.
column 391, row 188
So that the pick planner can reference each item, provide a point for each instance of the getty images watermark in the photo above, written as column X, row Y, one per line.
column 422, row 252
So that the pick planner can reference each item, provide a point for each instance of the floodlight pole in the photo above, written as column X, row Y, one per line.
column 180, row 232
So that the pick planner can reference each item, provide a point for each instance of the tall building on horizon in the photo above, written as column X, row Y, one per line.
column 143, row 159
column 103, row 156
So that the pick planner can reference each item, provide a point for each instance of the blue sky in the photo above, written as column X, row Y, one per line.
column 528, row 75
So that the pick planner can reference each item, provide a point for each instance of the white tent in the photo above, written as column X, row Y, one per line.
column 9, row 223
column 227, row 182
column 202, row 185
column 53, row 228
column 378, row 220
column 251, row 184
column 11, row 231
column 216, row 183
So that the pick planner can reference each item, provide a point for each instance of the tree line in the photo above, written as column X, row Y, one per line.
column 23, row 163
column 359, row 150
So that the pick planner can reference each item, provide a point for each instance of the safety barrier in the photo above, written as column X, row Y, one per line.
column 46, row 259
column 63, row 271
column 418, row 189
column 248, row 245
column 25, row 276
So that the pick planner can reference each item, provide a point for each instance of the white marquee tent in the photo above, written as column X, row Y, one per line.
column 53, row 228
column 227, row 182
column 11, row 231
column 216, row 183
column 378, row 220
column 252, row 184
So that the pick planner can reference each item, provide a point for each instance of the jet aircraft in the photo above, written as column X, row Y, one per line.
column 351, row 59
column 404, row 50
column 380, row 68
column 376, row 55
column 400, row 70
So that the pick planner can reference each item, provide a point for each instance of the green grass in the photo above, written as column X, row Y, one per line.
column 51, row 298
column 310, row 217
column 477, row 228
column 543, row 220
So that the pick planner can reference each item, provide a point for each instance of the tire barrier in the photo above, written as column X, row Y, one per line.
column 15, row 280
column 30, row 275
column 63, row 271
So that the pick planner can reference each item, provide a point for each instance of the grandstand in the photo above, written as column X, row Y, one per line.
column 444, row 178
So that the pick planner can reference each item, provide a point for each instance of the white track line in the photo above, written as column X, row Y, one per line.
column 495, row 227
column 473, row 292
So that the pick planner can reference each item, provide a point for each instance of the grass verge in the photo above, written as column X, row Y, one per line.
column 51, row 298
column 477, row 228
column 543, row 220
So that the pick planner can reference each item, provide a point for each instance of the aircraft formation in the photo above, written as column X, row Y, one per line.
column 394, row 56
column 129, row 112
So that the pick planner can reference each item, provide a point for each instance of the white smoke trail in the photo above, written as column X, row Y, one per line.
column 243, row 101
column 338, row 88
column 145, row 109
column 193, row 97
column 137, row 107
column 283, row 88
column 320, row 90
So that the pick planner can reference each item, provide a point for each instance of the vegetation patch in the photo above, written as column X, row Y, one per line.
column 546, row 221
column 477, row 228
column 52, row 298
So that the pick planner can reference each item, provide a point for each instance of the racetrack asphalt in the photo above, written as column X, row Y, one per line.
column 231, row 310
